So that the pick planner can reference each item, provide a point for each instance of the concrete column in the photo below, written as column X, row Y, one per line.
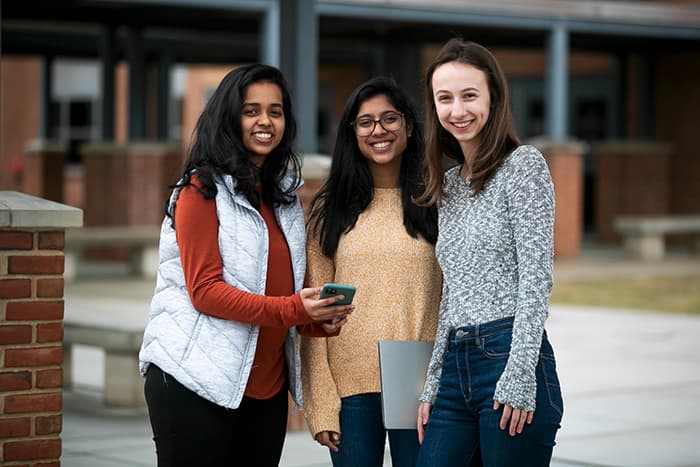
column 165, row 64
column 557, row 96
column 299, row 63
column 378, row 60
column 108, row 59
column 45, row 98
column 404, row 67
column 137, row 85
column 270, row 35
column 645, row 73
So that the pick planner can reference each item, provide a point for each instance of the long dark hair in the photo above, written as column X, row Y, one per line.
column 218, row 148
column 498, row 137
column 349, row 188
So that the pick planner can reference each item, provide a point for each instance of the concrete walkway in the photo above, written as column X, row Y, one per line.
column 631, row 382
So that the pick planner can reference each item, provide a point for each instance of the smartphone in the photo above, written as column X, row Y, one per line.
column 331, row 290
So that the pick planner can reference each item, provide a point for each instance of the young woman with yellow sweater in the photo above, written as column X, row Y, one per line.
column 364, row 230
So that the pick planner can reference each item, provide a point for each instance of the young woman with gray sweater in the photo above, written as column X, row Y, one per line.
column 492, row 394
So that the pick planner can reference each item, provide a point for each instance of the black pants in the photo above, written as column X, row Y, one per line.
column 191, row 431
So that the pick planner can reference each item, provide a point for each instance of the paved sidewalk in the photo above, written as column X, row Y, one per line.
column 631, row 383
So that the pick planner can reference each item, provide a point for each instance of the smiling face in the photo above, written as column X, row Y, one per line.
column 462, row 101
column 262, row 120
column 382, row 148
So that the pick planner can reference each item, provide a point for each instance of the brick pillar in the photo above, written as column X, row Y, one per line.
column 31, row 327
column 565, row 161
column 128, row 184
column 151, row 169
column 106, row 184
column 43, row 172
column 633, row 178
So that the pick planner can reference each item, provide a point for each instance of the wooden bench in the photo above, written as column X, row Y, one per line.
column 644, row 236
column 123, row 385
column 141, row 240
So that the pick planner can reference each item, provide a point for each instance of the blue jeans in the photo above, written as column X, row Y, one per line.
column 363, row 436
column 463, row 427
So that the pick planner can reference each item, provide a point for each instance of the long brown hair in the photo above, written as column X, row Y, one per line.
column 497, row 138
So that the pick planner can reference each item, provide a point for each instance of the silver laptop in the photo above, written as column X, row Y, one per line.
column 402, row 369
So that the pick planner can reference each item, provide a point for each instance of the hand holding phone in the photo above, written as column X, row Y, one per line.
column 331, row 290
column 331, row 313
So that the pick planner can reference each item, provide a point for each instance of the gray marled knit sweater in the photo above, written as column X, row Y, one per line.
column 496, row 252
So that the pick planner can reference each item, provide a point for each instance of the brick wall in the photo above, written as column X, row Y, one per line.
column 137, row 194
column 676, row 103
column 31, row 334
column 151, row 169
column 633, row 179
column 105, row 184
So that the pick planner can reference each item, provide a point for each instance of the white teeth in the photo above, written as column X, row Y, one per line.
column 263, row 135
column 381, row 145
column 460, row 124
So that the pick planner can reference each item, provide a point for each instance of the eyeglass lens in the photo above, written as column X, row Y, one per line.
column 365, row 126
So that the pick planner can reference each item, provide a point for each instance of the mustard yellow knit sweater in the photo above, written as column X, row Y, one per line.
column 398, row 285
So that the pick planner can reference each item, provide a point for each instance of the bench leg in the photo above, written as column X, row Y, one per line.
column 149, row 261
column 696, row 246
column 123, row 383
column 67, row 365
column 144, row 262
column 70, row 265
column 646, row 247
column 136, row 262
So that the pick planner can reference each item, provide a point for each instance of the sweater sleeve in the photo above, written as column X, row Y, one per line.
column 321, row 398
column 196, row 228
column 531, row 210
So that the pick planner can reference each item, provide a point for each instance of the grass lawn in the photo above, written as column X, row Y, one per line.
column 666, row 294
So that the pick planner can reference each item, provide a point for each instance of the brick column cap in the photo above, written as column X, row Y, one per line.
column 103, row 148
column 45, row 146
column 21, row 211
column 658, row 148
column 154, row 148
column 546, row 145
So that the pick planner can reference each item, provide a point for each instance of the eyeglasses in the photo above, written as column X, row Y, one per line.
column 390, row 121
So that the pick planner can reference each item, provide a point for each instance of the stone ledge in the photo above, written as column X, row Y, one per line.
column 109, row 338
column 315, row 166
column 569, row 145
column 44, row 145
column 22, row 211
column 657, row 225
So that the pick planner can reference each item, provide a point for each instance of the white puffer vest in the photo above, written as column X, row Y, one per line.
column 213, row 357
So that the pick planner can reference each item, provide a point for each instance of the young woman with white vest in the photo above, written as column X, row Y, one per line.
column 220, row 350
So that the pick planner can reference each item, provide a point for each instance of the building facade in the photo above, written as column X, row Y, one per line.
column 619, row 77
